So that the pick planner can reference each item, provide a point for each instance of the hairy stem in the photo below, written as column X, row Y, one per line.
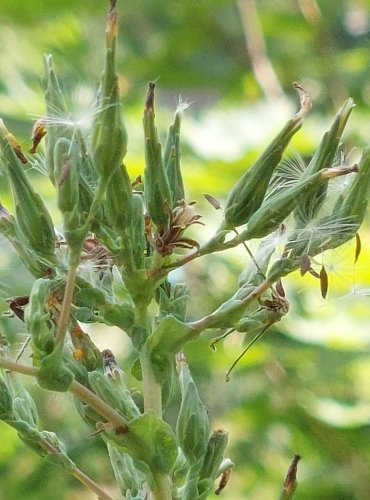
column 79, row 390
column 163, row 487
column 151, row 388
column 66, row 306
column 77, row 473
column 206, row 322
column 152, row 392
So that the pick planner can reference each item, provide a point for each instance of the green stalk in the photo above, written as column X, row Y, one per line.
column 77, row 473
column 163, row 487
column 66, row 306
column 152, row 391
column 79, row 390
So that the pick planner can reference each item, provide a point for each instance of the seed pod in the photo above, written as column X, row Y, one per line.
column 6, row 401
column 66, row 175
column 173, row 300
column 331, row 231
column 156, row 187
column 214, row 455
column 324, row 157
column 128, row 477
column 56, row 111
column 171, row 159
column 85, row 351
column 357, row 197
column 115, row 393
column 273, row 212
column 109, row 133
column 192, row 427
column 137, row 239
column 33, row 219
column 248, row 193
column 9, row 229
column 118, row 206
column 281, row 268
column 39, row 320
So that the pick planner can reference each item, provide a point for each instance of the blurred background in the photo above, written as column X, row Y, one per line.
column 304, row 388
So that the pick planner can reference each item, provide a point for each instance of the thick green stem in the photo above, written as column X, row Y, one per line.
column 152, row 391
column 163, row 487
column 151, row 388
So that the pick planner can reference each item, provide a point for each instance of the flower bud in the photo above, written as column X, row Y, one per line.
column 212, row 461
column 66, row 176
column 248, row 193
column 114, row 392
column 192, row 427
column 9, row 229
column 157, row 188
column 118, row 204
column 171, row 159
column 324, row 157
column 109, row 133
column 85, row 351
column 357, row 197
column 273, row 211
column 55, row 109
column 128, row 477
column 137, row 240
column 38, row 319
column 33, row 219
column 6, row 401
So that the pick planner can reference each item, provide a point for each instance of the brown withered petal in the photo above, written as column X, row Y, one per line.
column 314, row 273
column 149, row 102
column 358, row 247
column 112, row 25
column 18, row 151
column 186, row 243
column 225, row 476
column 279, row 288
column 136, row 181
column 290, row 483
column 17, row 304
column 323, row 282
column 37, row 134
column 305, row 264
column 212, row 200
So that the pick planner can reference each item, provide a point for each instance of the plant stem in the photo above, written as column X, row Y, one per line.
column 79, row 390
column 77, row 473
column 66, row 306
column 152, row 391
column 92, row 485
column 99, row 405
column 151, row 388
column 206, row 322
column 163, row 487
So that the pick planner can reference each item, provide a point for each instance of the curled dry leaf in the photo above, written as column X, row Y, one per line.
column 213, row 201
column 323, row 282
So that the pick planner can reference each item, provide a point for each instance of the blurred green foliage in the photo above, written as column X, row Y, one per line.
column 304, row 388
